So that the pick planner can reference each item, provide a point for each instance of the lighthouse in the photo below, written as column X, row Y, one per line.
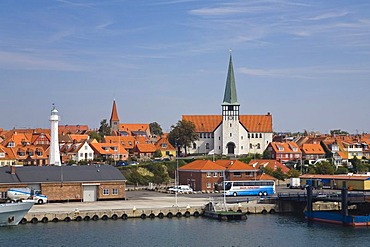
column 54, row 156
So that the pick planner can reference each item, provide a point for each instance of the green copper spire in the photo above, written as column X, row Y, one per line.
column 230, row 96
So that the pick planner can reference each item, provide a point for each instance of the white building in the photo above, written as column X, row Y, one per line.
column 231, row 133
column 54, row 155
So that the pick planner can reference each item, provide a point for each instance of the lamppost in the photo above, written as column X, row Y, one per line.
column 176, row 173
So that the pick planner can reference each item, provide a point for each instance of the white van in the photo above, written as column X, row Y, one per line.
column 181, row 189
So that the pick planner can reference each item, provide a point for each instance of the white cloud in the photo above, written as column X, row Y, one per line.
column 328, row 15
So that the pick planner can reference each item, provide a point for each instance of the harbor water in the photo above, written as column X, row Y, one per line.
column 258, row 230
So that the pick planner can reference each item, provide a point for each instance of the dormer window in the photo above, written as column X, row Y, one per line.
column 11, row 144
column 164, row 145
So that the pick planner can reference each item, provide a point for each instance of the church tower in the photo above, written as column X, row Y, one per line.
column 114, row 119
column 230, row 115
column 54, row 155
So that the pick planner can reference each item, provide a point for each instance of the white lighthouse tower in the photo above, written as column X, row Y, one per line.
column 54, row 156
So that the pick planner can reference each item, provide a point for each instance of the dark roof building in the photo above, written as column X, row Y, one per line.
column 60, row 183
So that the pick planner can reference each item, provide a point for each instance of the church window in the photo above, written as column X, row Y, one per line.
column 231, row 134
column 207, row 145
column 260, row 135
column 230, row 108
column 241, row 147
column 252, row 135
column 241, row 137
column 250, row 145
column 201, row 135
column 231, row 125
column 209, row 135
column 258, row 146
column 219, row 138
column 249, row 136
column 219, row 147
column 194, row 145
column 212, row 135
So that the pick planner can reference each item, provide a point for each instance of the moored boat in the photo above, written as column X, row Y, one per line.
column 218, row 210
column 12, row 213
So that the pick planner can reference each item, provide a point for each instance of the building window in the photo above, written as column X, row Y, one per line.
column 215, row 174
column 241, row 137
column 231, row 134
column 207, row 145
column 250, row 145
column 90, row 154
column 194, row 145
column 208, row 174
column 209, row 135
column 249, row 136
column 220, row 174
column 105, row 192
column 115, row 192
column 258, row 146
column 237, row 174
column 252, row 135
column 219, row 147
column 201, row 135
column 85, row 147
column 241, row 147
column 260, row 135
column 209, row 185
column 81, row 155
column 164, row 145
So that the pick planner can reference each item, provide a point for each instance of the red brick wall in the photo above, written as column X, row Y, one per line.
column 199, row 180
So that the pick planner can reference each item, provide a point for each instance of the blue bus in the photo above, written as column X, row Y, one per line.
column 247, row 188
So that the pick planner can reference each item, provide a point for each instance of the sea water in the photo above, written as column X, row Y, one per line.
column 257, row 230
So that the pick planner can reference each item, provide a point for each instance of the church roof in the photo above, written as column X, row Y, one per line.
column 253, row 123
column 114, row 115
column 230, row 96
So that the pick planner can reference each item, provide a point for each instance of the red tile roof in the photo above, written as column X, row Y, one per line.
column 253, row 123
column 235, row 165
column 114, row 116
column 344, row 177
column 202, row 165
column 312, row 149
column 146, row 148
column 273, row 164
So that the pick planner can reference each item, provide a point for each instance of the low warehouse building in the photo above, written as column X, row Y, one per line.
column 66, row 183
column 353, row 181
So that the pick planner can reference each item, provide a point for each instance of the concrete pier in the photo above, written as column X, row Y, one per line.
column 145, row 208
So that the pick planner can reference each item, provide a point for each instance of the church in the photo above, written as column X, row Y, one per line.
column 231, row 134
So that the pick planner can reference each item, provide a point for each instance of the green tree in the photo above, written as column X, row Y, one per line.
column 358, row 166
column 157, row 153
column 279, row 174
column 182, row 135
column 104, row 129
column 293, row 173
column 325, row 168
column 155, row 129
column 341, row 170
column 95, row 135
column 266, row 154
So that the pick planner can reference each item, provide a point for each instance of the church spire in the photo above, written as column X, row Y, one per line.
column 230, row 96
column 114, row 120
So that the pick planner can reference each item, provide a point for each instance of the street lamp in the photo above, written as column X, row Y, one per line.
column 176, row 173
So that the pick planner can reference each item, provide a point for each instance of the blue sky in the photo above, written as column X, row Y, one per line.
column 306, row 62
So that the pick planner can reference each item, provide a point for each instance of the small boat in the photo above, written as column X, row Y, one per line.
column 218, row 210
column 12, row 213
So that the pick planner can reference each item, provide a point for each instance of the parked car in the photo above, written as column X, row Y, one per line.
column 121, row 163
column 181, row 189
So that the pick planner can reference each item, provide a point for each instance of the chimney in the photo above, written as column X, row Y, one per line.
column 12, row 170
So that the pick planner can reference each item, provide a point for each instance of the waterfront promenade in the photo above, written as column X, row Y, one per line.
column 142, row 205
